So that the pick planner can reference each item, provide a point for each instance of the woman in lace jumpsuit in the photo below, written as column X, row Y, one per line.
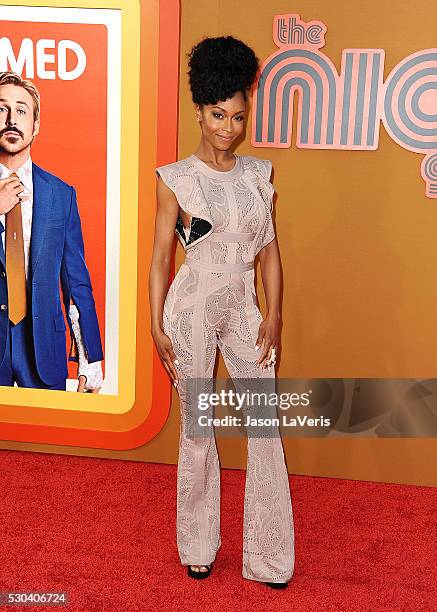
column 223, row 221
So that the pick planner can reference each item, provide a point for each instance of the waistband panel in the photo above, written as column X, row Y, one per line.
column 232, row 236
column 219, row 267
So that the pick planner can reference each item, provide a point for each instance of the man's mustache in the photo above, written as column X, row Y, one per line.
column 11, row 129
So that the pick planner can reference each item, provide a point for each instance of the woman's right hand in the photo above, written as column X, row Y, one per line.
column 167, row 355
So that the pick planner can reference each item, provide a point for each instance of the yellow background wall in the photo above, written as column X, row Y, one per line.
column 356, row 232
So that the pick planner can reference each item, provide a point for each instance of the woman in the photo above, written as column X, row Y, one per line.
column 219, row 204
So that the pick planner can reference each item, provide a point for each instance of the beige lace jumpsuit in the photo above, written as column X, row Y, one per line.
column 212, row 303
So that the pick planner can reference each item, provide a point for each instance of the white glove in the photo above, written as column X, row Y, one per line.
column 92, row 371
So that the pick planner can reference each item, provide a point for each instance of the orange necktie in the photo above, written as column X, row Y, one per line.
column 15, row 270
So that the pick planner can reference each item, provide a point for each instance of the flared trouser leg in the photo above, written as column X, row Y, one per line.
column 198, row 474
column 268, row 527
column 268, row 530
column 198, row 490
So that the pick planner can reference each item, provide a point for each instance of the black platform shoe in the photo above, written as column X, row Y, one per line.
column 199, row 575
column 277, row 585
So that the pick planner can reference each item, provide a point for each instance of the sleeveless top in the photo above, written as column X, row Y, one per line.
column 234, row 202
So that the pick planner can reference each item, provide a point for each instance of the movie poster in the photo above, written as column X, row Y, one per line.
column 72, row 56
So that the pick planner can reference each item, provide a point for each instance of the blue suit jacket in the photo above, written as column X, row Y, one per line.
column 56, row 255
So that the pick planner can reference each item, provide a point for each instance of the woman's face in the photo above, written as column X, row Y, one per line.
column 223, row 122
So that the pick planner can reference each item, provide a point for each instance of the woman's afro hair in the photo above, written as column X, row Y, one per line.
column 219, row 67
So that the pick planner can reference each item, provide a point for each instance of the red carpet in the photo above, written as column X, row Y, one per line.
column 104, row 531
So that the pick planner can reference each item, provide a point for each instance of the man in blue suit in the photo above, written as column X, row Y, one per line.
column 41, row 247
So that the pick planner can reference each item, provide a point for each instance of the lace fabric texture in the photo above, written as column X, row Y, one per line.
column 212, row 304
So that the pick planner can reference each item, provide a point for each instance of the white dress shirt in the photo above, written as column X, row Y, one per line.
column 24, row 173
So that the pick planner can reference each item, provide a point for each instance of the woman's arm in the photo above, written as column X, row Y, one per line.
column 269, row 329
column 166, row 217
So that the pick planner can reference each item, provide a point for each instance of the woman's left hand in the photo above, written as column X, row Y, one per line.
column 268, row 341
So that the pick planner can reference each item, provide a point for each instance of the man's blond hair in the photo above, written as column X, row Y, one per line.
column 11, row 78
